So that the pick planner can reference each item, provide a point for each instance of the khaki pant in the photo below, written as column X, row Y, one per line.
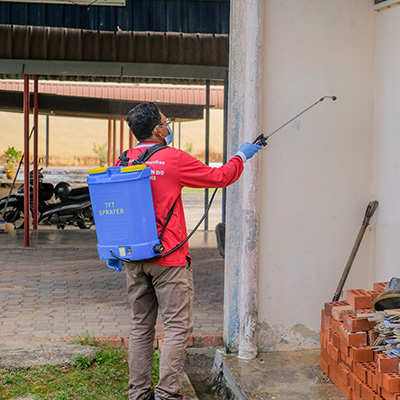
column 169, row 289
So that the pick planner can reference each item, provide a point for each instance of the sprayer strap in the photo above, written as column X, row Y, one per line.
column 143, row 157
column 169, row 215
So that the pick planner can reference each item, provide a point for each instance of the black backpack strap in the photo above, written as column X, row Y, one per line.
column 143, row 157
column 169, row 215
column 148, row 153
column 124, row 159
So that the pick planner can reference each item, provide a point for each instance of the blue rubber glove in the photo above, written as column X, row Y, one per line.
column 114, row 264
column 247, row 150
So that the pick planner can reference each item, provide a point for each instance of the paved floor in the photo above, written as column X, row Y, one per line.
column 59, row 288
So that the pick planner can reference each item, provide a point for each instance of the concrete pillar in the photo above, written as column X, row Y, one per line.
column 241, row 255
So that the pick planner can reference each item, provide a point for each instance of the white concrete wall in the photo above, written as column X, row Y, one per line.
column 387, row 143
column 316, row 174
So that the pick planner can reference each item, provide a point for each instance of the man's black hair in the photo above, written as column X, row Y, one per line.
column 143, row 119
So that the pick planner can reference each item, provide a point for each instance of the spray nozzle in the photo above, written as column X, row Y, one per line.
column 261, row 140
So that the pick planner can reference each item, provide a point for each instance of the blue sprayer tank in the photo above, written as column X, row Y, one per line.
column 123, row 212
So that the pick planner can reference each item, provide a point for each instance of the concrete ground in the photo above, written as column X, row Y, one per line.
column 58, row 288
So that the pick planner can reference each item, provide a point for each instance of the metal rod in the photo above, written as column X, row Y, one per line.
column 114, row 141
column 130, row 139
column 369, row 212
column 225, row 144
column 179, row 136
column 298, row 115
column 35, row 210
column 47, row 139
column 109, row 143
column 207, row 151
column 121, row 145
column 26, row 161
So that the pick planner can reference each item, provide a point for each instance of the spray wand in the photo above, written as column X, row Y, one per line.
column 261, row 140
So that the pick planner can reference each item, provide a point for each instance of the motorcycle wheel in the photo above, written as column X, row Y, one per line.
column 87, row 219
column 14, row 216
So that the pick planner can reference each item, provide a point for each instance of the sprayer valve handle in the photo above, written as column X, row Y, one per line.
column 158, row 248
column 261, row 140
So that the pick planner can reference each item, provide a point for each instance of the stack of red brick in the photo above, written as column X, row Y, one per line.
column 346, row 353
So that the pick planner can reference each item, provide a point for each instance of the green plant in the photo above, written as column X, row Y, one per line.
column 9, row 165
column 101, row 151
column 82, row 362
column 188, row 147
column 87, row 340
column 12, row 157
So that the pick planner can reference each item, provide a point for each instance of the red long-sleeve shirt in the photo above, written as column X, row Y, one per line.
column 171, row 170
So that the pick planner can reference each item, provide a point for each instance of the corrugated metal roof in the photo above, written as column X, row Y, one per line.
column 162, row 94
column 44, row 43
column 188, row 16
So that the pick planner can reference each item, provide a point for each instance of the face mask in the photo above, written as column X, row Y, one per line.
column 168, row 139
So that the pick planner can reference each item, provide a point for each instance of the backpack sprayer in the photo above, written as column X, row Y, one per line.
column 123, row 210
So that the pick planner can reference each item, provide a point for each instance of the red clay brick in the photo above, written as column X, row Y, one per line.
column 372, row 336
column 373, row 294
column 362, row 354
column 324, row 328
column 344, row 374
column 353, row 339
column 360, row 371
column 391, row 382
column 328, row 306
column 324, row 366
column 365, row 311
column 380, row 286
column 367, row 393
column 322, row 340
column 344, row 348
column 389, row 396
column 354, row 324
column 335, row 339
column 344, row 359
column 325, row 355
column 335, row 325
column 371, row 372
column 387, row 364
column 333, row 352
column 346, row 390
column 335, row 375
column 338, row 312
column 357, row 383
column 358, row 298
column 212, row 340
column 377, row 382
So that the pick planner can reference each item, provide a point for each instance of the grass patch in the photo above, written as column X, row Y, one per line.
column 103, row 377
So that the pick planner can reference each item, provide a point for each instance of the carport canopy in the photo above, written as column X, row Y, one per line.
column 121, row 56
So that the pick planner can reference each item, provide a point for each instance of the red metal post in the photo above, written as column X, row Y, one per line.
column 114, row 141
column 130, row 139
column 26, row 162
column 109, row 144
column 121, row 146
column 35, row 211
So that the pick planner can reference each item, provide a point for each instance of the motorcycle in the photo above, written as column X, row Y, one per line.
column 59, row 205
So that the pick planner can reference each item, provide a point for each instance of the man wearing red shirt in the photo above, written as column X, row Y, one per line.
column 166, row 284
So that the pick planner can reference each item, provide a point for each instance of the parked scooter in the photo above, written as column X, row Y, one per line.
column 59, row 205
